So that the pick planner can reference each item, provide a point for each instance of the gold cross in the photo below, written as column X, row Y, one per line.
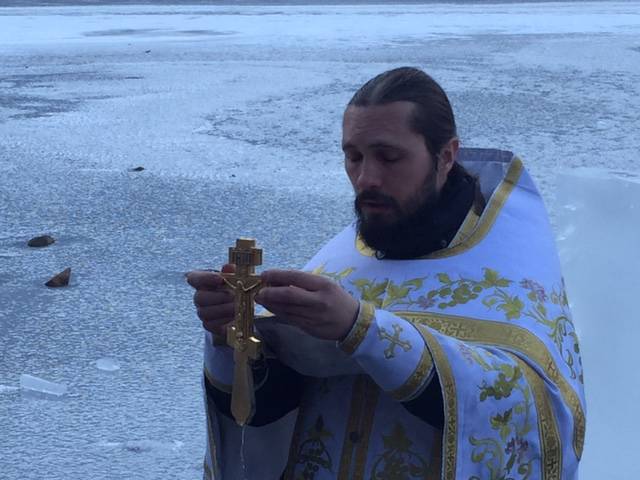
column 394, row 341
column 240, row 335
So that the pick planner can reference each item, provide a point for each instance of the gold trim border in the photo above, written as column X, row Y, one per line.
column 372, row 392
column 355, row 411
column 448, row 386
column 484, row 224
column 417, row 378
column 466, row 229
column 298, row 430
column 513, row 337
column 551, row 461
column 360, row 328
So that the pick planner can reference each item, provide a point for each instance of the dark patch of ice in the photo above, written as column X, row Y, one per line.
column 152, row 32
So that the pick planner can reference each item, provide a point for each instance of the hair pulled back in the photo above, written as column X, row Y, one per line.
column 432, row 114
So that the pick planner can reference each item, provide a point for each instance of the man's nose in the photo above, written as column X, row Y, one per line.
column 370, row 176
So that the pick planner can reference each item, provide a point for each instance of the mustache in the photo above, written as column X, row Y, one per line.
column 377, row 197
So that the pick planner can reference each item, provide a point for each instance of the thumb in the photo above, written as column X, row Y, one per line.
column 228, row 268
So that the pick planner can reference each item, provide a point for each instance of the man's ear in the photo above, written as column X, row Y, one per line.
column 446, row 159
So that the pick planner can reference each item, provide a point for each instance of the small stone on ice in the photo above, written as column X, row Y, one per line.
column 43, row 241
column 107, row 364
column 35, row 384
column 60, row 280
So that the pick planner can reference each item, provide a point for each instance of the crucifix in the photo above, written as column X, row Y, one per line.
column 240, row 335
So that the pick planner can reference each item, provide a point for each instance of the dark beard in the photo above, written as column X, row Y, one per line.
column 411, row 234
column 430, row 224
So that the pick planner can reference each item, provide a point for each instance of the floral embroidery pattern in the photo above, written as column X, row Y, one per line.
column 313, row 453
column 397, row 461
column 505, row 456
column 560, row 326
column 535, row 302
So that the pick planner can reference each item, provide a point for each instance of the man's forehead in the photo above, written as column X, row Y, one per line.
column 376, row 123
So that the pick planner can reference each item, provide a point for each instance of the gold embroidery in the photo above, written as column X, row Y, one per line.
column 313, row 454
column 448, row 385
column 364, row 399
column 417, row 378
column 212, row 444
column 486, row 221
column 398, row 460
column 372, row 392
column 466, row 229
column 359, row 330
column 295, row 440
column 394, row 341
column 513, row 337
column 551, row 462
column 357, row 399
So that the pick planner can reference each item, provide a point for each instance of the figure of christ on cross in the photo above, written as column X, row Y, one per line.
column 245, row 284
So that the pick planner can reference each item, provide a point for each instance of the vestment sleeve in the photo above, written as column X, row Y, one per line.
column 419, row 391
column 507, row 407
column 391, row 350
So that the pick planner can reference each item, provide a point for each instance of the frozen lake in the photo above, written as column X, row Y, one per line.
column 235, row 114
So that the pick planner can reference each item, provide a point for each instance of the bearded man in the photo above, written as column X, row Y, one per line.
column 430, row 339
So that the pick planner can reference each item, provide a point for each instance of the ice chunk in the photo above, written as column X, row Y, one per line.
column 107, row 364
column 39, row 385
column 599, row 223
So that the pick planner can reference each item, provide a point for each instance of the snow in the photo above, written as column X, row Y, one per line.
column 235, row 114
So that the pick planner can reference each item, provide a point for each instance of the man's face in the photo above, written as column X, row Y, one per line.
column 391, row 170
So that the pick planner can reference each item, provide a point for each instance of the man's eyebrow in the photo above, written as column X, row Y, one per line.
column 384, row 145
column 375, row 146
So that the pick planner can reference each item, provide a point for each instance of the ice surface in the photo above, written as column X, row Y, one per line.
column 39, row 385
column 141, row 446
column 599, row 221
column 107, row 364
column 7, row 389
column 235, row 114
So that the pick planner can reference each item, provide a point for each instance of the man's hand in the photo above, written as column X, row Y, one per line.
column 213, row 300
column 313, row 303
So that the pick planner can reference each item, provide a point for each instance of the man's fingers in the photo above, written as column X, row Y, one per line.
column 289, row 295
column 217, row 314
column 201, row 280
column 228, row 268
column 305, row 280
column 291, row 314
column 206, row 298
column 215, row 327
